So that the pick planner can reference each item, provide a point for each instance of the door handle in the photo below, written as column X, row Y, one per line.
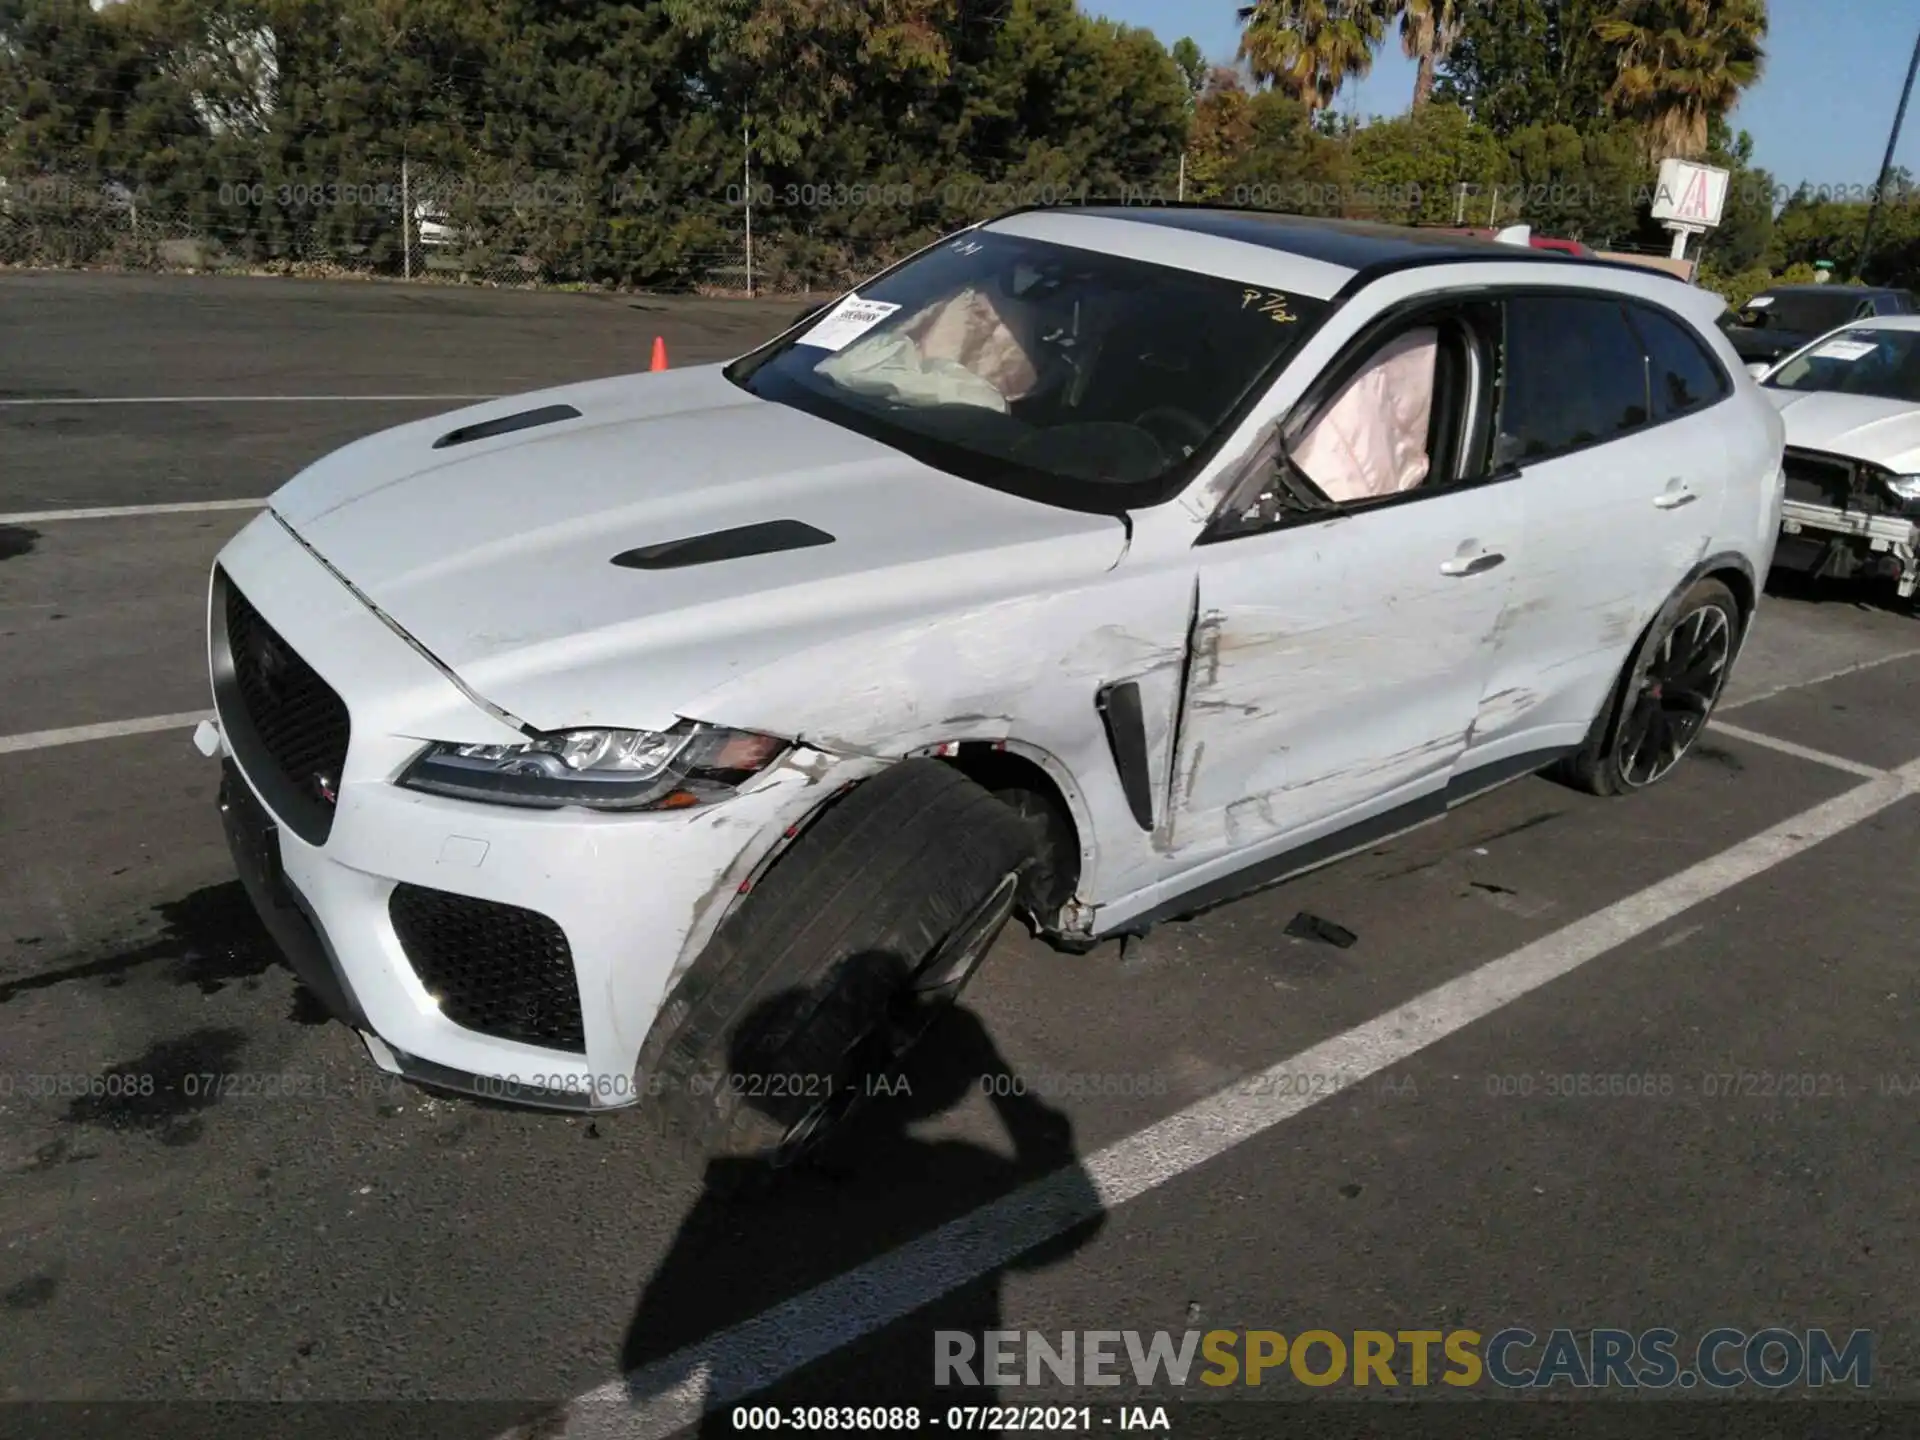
column 1477, row 565
column 1676, row 495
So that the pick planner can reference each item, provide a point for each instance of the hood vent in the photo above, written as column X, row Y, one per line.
column 506, row 425
column 765, row 538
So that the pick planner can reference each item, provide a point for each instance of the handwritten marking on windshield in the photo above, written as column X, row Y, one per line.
column 1270, row 303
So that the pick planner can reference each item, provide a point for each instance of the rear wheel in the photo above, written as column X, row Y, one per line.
column 820, row 983
column 1663, row 698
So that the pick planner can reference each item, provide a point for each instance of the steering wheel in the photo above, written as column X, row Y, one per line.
column 1187, row 432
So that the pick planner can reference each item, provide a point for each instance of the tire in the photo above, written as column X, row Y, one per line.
column 836, row 964
column 1615, row 759
column 1049, row 881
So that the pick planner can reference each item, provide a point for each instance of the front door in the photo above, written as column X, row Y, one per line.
column 1341, row 650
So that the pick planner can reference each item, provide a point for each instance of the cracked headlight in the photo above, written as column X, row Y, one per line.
column 1907, row 487
column 675, row 769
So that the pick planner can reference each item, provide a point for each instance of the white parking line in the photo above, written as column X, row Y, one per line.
column 1844, row 670
column 736, row 1363
column 115, row 512
column 111, row 730
column 234, row 399
column 1800, row 752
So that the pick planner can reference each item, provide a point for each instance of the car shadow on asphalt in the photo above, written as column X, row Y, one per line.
column 752, row 1243
column 1854, row 593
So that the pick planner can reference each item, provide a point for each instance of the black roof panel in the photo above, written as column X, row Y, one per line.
column 1353, row 244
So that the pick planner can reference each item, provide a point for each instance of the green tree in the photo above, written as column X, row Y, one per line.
column 1589, row 185
column 1308, row 48
column 1530, row 62
column 1418, row 168
column 1193, row 64
column 1681, row 63
column 1261, row 150
column 1428, row 32
column 1745, row 233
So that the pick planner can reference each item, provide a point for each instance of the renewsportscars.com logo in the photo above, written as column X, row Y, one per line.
column 1513, row 1358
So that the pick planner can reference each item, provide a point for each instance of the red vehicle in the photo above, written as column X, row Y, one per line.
column 1538, row 242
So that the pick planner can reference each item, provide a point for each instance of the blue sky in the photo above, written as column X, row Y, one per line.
column 1820, row 112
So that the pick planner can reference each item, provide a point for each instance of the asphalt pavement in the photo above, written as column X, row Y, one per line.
column 1625, row 1064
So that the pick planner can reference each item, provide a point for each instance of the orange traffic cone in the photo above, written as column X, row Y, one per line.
column 659, row 353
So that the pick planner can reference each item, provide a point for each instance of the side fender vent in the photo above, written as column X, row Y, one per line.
column 506, row 425
column 1120, row 712
column 766, row 538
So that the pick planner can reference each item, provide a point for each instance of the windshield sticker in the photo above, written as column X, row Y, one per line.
column 1270, row 303
column 1845, row 350
column 847, row 322
column 1759, row 302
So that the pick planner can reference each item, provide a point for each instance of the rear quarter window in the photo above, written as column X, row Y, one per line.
column 1682, row 376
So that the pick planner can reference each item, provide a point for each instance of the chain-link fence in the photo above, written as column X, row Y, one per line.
column 424, row 224
column 533, row 229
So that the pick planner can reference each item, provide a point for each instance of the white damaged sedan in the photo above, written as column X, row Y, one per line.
column 1851, row 402
column 690, row 737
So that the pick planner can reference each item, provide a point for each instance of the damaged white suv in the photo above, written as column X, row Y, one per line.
column 689, row 737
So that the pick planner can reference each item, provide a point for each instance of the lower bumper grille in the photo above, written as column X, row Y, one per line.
column 496, row 969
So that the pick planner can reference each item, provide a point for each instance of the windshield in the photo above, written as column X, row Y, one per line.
column 1803, row 312
column 1068, row 376
column 1885, row 363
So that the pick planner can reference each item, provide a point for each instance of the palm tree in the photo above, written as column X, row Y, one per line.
column 1682, row 62
column 1308, row 48
column 1428, row 29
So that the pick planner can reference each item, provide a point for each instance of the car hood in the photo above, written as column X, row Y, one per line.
column 496, row 554
column 1861, row 427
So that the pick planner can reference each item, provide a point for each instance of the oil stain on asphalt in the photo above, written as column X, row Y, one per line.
column 155, row 1093
column 211, row 938
column 31, row 1293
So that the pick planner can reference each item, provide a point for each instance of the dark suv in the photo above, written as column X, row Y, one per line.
column 1779, row 321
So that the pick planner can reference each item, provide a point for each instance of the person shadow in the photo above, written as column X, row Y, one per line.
column 770, row 1251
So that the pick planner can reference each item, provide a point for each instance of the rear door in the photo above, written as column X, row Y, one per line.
column 1607, row 413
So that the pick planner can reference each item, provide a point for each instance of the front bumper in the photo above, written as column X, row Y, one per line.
column 635, row 896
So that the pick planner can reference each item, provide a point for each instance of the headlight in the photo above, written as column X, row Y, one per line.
column 1907, row 487
column 677, row 769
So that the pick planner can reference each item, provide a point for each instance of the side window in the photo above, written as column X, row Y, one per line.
column 1886, row 304
column 1684, row 376
column 1406, row 410
column 1396, row 416
column 1575, row 376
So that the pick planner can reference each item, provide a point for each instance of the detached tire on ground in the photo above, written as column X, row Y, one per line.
column 834, row 966
column 1663, row 698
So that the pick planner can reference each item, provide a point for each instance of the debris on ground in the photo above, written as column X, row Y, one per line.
column 1311, row 927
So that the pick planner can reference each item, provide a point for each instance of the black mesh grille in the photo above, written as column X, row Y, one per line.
column 297, row 721
column 496, row 968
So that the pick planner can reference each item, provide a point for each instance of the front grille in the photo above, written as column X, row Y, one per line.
column 1818, row 479
column 494, row 968
column 288, row 727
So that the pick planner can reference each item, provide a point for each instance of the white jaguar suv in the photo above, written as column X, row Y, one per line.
column 688, row 738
